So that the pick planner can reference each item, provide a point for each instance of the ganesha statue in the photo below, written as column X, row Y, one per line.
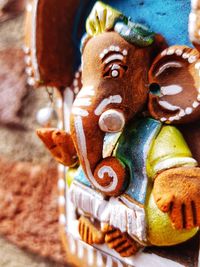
column 135, row 181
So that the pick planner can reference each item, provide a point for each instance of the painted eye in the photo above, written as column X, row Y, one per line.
column 115, row 71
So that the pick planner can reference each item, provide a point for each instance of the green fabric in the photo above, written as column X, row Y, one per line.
column 169, row 144
column 135, row 33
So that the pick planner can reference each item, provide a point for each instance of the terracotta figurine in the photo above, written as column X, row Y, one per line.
column 135, row 181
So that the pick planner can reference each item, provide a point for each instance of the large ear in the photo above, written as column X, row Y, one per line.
column 52, row 54
column 174, row 83
column 157, row 47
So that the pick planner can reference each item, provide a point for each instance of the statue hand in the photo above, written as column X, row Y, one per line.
column 60, row 145
column 177, row 191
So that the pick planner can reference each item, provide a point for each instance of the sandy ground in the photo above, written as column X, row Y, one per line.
column 21, row 145
column 11, row 256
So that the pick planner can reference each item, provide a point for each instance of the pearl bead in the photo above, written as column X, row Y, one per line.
column 46, row 116
column 115, row 73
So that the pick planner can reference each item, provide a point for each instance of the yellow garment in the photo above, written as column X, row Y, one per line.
column 160, row 231
column 168, row 150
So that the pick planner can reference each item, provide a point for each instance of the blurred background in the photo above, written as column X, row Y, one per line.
column 28, row 176
column 29, row 232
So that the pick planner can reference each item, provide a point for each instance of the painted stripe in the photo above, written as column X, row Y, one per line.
column 80, row 250
column 119, row 264
column 59, row 104
column 109, row 262
column 90, row 256
column 111, row 173
column 99, row 259
column 67, row 106
column 171, row 89
column 82, row 102
column 72, row 244
column 113, row 99
column 175, row 162
column 168, row 106
column 81, row 140
column 60, row 125
column 79, row 112
column 86, row 91
column 168, row 65
column 114, row 57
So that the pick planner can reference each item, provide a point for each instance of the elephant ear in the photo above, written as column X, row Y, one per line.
column 174, row 84
column 51, row 29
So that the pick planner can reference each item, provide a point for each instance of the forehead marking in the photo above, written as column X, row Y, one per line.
column 112, row 48
column 113, row 99
column 114, row 57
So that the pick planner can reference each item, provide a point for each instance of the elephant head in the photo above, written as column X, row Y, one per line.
column 115, row 63
column 174, row 80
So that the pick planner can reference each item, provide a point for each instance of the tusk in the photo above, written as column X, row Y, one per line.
column 112, row 121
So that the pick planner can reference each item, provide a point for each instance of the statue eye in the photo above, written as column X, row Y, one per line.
column 115, row 71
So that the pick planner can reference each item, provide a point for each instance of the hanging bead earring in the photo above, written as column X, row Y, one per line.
column 47, row 116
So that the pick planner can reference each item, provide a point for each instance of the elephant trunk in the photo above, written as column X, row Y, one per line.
column 89, row 122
